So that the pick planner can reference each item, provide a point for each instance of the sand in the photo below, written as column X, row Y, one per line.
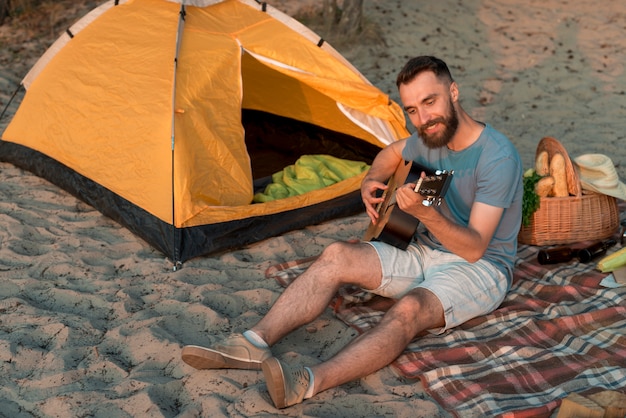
column 92, row 319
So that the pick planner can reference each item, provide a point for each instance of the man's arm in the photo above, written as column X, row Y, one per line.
column 383, row 167
column 469, row 242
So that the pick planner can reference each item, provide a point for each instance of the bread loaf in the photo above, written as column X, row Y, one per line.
column 542, row 166
column 544, row 186
column 557, row 170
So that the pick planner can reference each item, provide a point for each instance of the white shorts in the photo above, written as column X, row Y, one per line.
column 465, row 290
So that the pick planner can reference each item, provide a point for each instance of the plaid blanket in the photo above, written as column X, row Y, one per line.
column 558, row 332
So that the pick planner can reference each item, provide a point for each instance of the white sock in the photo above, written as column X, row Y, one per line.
column 309, row 392
column 254, row 338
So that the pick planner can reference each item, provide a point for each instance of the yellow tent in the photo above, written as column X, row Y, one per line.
column 152, row 111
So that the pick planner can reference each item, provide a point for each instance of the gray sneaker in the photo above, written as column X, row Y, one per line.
column 235, row 352
column 286, row 386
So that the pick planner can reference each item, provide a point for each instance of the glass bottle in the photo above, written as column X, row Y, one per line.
column 555, row 255
column 585, row 255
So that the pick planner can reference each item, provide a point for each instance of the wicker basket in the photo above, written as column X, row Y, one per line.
column 566, row 220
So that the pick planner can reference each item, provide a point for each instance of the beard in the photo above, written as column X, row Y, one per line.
column 450, row 123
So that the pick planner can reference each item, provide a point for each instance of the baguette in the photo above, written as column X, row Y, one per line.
column 544, row 186
column 557, row 170
column 542, row 166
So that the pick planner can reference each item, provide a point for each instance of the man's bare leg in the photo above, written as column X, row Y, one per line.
column 418, row 311
column 307, row 297
column 303, row 301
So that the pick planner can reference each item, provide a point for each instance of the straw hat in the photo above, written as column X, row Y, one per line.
column 597, row 173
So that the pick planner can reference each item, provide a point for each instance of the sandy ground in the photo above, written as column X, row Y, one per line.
column 93, row 319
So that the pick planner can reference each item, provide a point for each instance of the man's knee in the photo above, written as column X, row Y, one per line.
column 340, row 253
column 420, row 305
column 352, row 263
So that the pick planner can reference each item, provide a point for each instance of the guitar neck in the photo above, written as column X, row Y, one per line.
column 394, row 226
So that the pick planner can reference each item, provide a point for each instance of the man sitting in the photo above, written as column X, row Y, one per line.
column 460, row 268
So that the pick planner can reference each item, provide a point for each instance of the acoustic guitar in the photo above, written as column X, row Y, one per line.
column 394, row 226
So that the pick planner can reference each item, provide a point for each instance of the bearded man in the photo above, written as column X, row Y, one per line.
column 457, row 267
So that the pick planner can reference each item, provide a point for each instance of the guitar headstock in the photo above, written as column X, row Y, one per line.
column 434, row 187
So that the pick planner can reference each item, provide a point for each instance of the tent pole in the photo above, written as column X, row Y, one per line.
column 10, row 101
column 175, row 237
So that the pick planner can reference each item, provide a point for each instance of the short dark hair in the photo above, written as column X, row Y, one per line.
column 423, row 63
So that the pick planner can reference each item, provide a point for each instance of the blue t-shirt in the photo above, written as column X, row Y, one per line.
column 488, row 171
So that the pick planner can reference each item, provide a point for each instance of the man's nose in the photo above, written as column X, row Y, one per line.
column 421, row 117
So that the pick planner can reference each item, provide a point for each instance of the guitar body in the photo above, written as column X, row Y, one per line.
column 399, row 228
column 394, row 226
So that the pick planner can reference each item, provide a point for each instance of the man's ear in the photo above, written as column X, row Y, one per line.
column 454, row 91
